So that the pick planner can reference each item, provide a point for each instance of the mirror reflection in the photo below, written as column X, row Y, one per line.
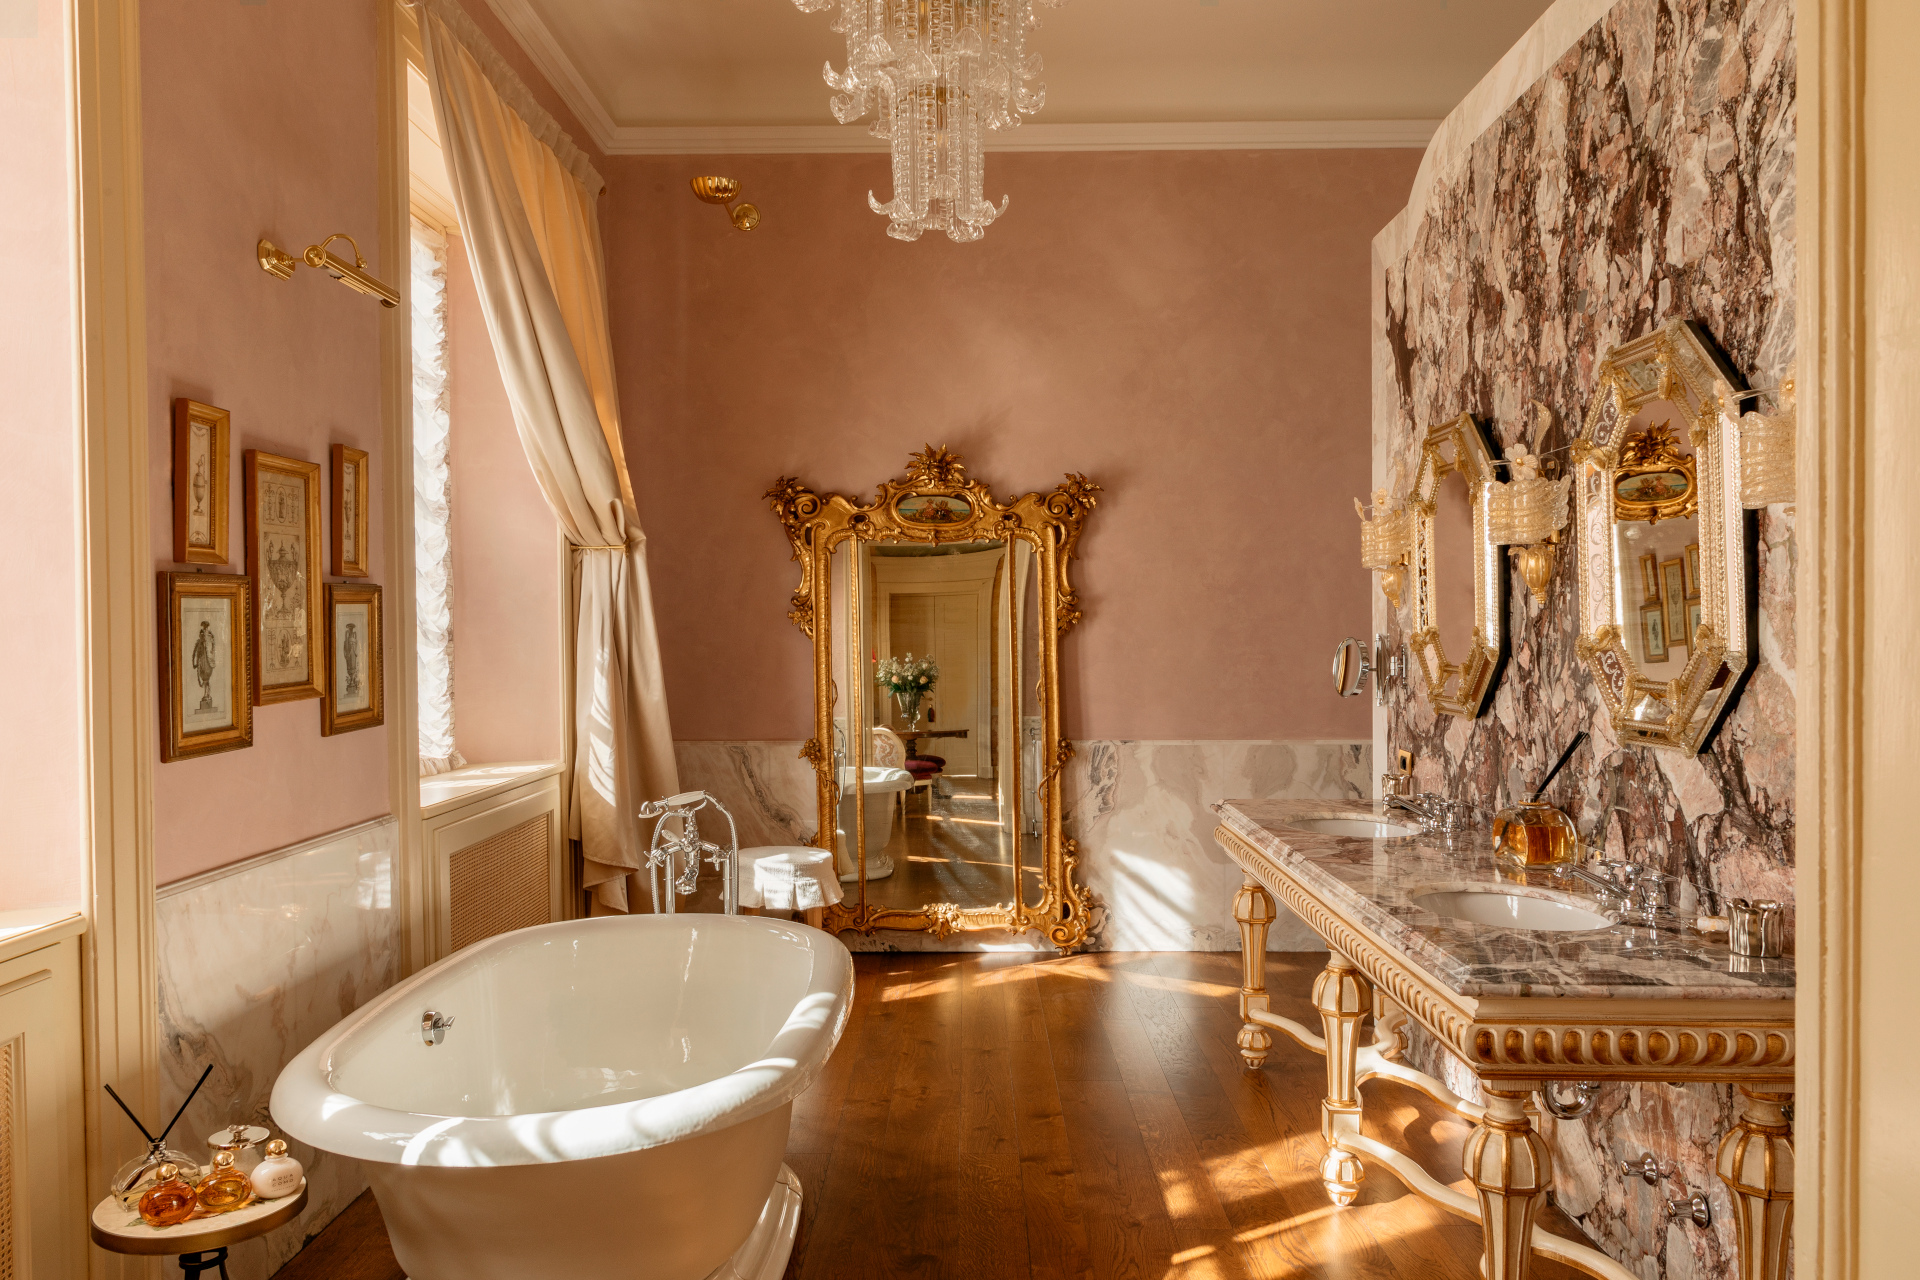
column 1453, row 553
column 1657, row 540
column 949, row 719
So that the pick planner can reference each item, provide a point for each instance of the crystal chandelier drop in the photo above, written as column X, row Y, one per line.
column 936, row 74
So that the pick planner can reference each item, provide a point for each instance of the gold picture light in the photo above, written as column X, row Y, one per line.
column 277, row 262
column 724, row 191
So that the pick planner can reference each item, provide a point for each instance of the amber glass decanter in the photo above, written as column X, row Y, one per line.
column 1532, row 834
column 169, row 1202
column 224, row 1188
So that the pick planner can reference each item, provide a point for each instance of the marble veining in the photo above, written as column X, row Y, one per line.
column 255, row 961
column 1376, row 883
column 1139, row 810
column 1626, row 164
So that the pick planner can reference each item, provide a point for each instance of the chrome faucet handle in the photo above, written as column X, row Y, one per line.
column 1694, row 1208
column 1648, row 1169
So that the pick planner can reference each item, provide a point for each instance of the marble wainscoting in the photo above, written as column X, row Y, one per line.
column 255, row 961
column 1137, row 808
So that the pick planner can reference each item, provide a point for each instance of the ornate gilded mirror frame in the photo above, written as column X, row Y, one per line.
column 1677, row 363
column 1050, row 524
column 1457, row 684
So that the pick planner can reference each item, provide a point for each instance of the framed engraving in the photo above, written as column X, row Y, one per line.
column 283, row 559
column 1673, row 578
column 1653, row 632
column 1649, row 578
column 1693, row 571
column 349, row 512
column 206, row 682
column 199, row 483
column 356, row 687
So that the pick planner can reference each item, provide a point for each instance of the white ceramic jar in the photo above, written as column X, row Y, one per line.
column 278, row 1174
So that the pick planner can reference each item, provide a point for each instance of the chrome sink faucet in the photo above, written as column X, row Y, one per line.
column 687, row 850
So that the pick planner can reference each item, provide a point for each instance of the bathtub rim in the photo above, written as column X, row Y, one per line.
column 305, row 1104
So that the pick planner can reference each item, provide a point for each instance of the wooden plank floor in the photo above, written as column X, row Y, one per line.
column 996, row 1117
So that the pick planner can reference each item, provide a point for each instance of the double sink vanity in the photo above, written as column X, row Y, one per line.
column 1542, row 990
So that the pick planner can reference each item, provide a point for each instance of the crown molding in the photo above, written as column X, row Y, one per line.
column 685, row 140
column 1229, row 135
column 538, row 44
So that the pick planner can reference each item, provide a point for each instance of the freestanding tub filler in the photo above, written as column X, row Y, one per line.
column 594, row 1098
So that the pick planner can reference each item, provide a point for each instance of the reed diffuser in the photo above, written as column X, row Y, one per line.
column 1534, row 834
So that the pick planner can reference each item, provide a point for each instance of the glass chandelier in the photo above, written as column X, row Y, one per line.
column 936, row 75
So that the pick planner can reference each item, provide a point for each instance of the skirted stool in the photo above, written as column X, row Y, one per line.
column 796, row 878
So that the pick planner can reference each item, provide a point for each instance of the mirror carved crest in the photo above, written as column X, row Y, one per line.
column 1459, row 589
column 1666, row 551
column 935, row 556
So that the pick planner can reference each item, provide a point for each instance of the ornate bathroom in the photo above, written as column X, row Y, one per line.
column 959, row 638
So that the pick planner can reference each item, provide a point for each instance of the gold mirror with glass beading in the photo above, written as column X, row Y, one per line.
column 1666, row 610
column 1457, row 681
column 873, row 573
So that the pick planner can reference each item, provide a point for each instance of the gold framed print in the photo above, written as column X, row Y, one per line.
column 283, row 559
column 1653, row 631
column 206, row 684
column 1693, row 570
column 356, row 687
column 1649, row 578
column 1673, row 594
column 199, row 482
column 349, row 512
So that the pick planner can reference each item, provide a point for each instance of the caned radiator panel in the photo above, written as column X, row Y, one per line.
column 499, row 884
column 9, row 1104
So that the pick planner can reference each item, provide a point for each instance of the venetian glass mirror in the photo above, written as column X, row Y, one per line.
column 935, row 613
column 1666, row 575
column 1459, row 592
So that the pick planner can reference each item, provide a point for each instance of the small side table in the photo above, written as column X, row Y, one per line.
column 200, row 1243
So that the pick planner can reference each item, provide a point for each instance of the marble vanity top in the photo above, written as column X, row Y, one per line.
column 1373, row 882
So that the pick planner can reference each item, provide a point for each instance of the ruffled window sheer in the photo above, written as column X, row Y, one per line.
column 432, row 502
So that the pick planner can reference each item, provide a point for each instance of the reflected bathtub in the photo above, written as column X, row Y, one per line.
column 612, row 1098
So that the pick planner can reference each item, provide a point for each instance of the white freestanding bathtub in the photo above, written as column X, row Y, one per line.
column 611, row 1100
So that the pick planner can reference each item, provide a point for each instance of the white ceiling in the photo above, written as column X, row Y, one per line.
column 644, row 73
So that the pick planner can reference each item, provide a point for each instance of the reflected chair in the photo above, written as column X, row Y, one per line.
column 889, row 750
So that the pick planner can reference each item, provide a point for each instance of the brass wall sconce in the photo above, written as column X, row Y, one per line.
column 1526, row 513
column 276, row 262
column 1386, row 537
column 724, row 191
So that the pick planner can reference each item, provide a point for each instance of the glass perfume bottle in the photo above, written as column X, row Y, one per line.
column 140, row 1175
column 225, row 1188
column 1533, row 834
column 169, row 1201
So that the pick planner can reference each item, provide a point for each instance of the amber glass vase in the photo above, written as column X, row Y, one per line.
column 1533, row 834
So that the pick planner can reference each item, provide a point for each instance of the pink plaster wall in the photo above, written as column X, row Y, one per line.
column 41, row 768
column 506, row 567
column 259, row 120
column 1188, row 329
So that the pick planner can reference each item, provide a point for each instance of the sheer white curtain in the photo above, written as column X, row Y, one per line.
column 526, row 197
column 432, row 502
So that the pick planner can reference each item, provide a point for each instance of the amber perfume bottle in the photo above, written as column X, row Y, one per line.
column 225, row 1188
column 169, row 1202
column 1532, row 834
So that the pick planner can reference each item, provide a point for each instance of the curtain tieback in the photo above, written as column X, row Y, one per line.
column 612, row 546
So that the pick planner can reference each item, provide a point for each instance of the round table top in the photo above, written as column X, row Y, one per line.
column 118, row 1231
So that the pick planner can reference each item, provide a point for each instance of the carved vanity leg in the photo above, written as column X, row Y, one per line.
column 1756, row 1163
column 1343, row 998
column 1253, row 908
column 1511, row 1169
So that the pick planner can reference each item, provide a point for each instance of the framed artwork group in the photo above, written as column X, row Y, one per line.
column 1670, row 614
column 279, row 632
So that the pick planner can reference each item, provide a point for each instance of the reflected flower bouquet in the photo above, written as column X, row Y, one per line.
column 908, row 679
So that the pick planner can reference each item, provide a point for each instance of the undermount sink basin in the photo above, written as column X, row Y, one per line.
column 1358, row 828
column 1510, row 910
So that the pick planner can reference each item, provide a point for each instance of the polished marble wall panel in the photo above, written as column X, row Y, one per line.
column 1645, row 173
column 1138, row 809
column 256, row 960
